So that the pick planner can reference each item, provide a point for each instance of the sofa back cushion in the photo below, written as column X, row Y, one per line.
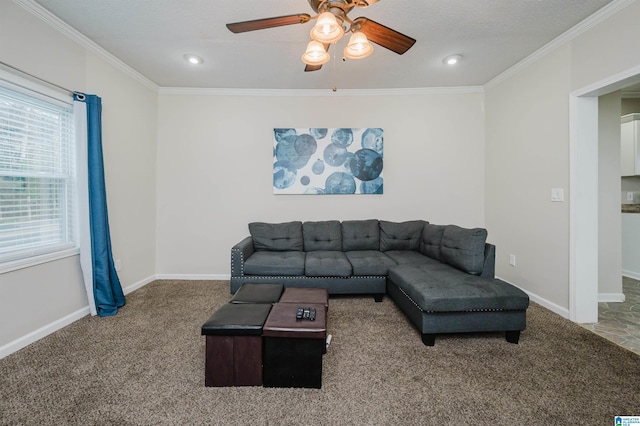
column 325, row 235
column 464, row 248
column 360, row 235
column 400, row 235
column 276, row 236
column 431, row 240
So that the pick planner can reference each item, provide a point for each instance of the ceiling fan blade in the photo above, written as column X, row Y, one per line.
column 309, row 68
column 261, row 24
column 385, row 36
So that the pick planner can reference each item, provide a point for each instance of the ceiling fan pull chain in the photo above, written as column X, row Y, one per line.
column 335, row 88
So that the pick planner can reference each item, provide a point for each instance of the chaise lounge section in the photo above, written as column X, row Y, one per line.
column 442, row 277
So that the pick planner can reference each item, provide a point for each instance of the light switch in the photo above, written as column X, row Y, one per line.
column 629, row 196
column 557, row 194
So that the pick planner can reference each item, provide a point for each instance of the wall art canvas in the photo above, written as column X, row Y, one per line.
column 328, row 161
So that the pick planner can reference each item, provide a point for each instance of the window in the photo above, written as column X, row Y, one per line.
column 37, row 168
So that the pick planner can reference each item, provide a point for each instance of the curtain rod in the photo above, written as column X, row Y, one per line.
column 71, row 92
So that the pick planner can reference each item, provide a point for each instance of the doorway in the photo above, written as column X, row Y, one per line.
column 583, row 209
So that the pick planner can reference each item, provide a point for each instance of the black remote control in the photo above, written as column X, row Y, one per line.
column 312, row 314
column 305, row 314
column 299, row 313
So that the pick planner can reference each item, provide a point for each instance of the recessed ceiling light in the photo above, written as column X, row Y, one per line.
column 452, row 59
column 193, row 59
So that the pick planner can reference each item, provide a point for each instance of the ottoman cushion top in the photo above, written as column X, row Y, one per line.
column 282, row 322
column 258, row 293
column 233, row 319
column 303, row 296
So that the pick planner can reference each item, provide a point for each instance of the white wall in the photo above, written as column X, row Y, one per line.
column 528, row 155
column 129, row 117
column 630, row 105
column 527, row 137
column 35, row 301
column 215, row 167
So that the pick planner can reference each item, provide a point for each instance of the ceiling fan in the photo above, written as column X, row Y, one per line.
column 331, row 23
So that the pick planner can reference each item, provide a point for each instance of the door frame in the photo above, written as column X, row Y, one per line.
column 583, row 194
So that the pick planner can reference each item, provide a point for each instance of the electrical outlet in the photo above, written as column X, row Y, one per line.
column 557, row 195
column 512, row 259
column 118, row 264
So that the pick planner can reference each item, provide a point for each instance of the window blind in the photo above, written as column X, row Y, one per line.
column 36, row 176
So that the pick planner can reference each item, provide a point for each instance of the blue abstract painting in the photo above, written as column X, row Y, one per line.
column 328, row 161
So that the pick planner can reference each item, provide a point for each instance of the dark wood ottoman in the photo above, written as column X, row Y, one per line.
column 234, row 345
column 293, row 348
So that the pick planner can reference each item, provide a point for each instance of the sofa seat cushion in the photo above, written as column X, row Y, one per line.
column 450, row 290
column 327, row 264
column 360, row 235
column 275, row 263
column 369, row 262
column 411, row 257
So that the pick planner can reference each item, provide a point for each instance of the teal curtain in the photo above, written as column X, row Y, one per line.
column 103, row 278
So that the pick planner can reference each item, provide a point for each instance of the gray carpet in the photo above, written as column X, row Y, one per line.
column 146, row 366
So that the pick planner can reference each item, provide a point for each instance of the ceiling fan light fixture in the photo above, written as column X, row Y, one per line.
column 327, row 28
column 452, row 59
column 315, row 54
column 358, row 46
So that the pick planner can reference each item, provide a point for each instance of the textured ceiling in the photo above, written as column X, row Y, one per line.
column 152, row 36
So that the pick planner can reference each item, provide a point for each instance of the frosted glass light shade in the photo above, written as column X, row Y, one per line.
column 315, row 54
column 358, row 46
column 327, row 29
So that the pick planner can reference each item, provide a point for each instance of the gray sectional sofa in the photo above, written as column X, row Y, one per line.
column 442, row 277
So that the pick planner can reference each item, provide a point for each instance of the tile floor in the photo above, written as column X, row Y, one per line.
column 620, row 322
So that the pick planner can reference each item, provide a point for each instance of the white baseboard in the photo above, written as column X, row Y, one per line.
column 563, row 312
column 133, row 287
column 58, row 324
column 194, row 277
column 610, row 297
column 631, row 274
column 38, row 334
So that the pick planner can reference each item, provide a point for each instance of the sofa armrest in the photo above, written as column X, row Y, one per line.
column 489, row 268
column 239, row 253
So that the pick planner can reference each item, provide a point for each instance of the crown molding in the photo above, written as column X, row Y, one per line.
column 64, row 28
column 321, row 92
column 571, row 34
